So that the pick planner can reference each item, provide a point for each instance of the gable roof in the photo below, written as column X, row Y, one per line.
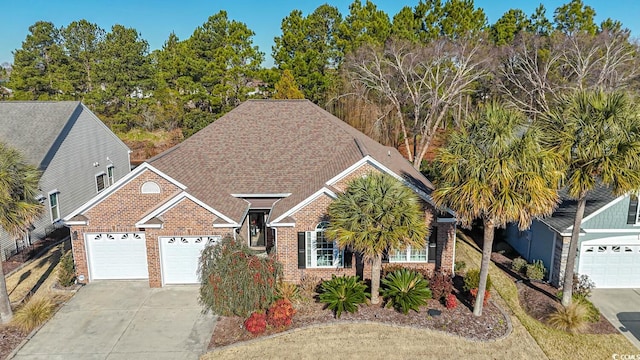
column 35, row 128
column 562, row 218
column 274, row 147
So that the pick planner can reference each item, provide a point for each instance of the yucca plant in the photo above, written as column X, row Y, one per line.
column 33, row 314
column 343, row 293
column 289, row 291
column 405, row 290
column 572, row 318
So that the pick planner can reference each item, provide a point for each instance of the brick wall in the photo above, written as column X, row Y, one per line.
column 121, row 210
column 308, row 217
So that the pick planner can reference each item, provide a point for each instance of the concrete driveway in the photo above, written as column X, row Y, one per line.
column 622, row 308
column 124, row 320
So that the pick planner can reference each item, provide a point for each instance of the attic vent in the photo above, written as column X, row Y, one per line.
column 150, row 188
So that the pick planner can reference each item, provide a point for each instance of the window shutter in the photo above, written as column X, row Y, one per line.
column 432, row 246
column 348, row 258
column 302, row 259
column 633, row 210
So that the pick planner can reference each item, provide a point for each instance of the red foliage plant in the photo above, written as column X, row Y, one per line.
column 280, row 314
column 256, row 323
column 441, row 285
column 451, row 302
column 474, row 293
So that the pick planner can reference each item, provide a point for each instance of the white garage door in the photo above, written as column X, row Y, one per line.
column 180, row 256
column 611, row 265
column 117, row 256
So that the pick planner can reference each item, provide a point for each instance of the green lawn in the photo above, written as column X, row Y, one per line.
column 556, row 344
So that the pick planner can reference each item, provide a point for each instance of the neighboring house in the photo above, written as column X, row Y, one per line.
column 265, row 172
column 609, row 248
column 77, row 154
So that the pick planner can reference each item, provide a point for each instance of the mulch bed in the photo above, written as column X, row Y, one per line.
column 10, row 338
column 460, row 321
column 539, row 300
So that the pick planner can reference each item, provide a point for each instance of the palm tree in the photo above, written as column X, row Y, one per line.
column 375, row 214
column 18, row 207
column 493, row 168
column 598, row 134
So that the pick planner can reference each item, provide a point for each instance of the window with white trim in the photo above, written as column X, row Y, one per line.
column 110, row 175
column 320, row 251
column 54, row 206
column 424, row 254
column 101, row 181
column 633, row 217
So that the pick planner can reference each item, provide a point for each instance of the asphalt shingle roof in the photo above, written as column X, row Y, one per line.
column 32, row 127
column 563, row 217
column 273, row 147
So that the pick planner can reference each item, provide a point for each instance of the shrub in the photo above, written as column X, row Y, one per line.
column 518, row 264
column 33, row 314
column 308, row 287
column 451, row 302
column 472, row 280
column 234, row 281
column 593, row 314
column 256, row 323
column 287, row 291
column 459, row 266
column 388, row 269
column 582, row 285
column 441, row 284
column 474, row 294
column 343, row 293
column 570, row 319
column 405, row 290
column 66, row 270
column 280, row 313
column 536, row 270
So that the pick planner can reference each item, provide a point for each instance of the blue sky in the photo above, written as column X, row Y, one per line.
column 155, row 20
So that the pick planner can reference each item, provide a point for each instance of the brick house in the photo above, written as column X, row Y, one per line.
column 265, row 172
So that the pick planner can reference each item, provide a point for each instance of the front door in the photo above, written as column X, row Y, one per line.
column 257, row 228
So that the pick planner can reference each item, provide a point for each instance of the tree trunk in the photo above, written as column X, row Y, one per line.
column 376, row 267
column 489, row 228
column 567, row 285
column 5, row 305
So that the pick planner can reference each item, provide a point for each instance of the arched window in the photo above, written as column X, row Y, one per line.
column 150, row 187
column 320, row 251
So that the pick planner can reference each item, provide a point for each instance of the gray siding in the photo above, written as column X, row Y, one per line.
column 614, row 217
column 71, row 169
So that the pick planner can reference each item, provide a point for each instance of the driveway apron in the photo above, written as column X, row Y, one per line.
column 622, row 308
column 125, row 320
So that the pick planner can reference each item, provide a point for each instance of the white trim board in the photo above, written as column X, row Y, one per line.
column 613, row 231
column 282, row 195
column 120, row 183
column 304, row 203
column 169, row 204
column 375, row 163
column 600, row 210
